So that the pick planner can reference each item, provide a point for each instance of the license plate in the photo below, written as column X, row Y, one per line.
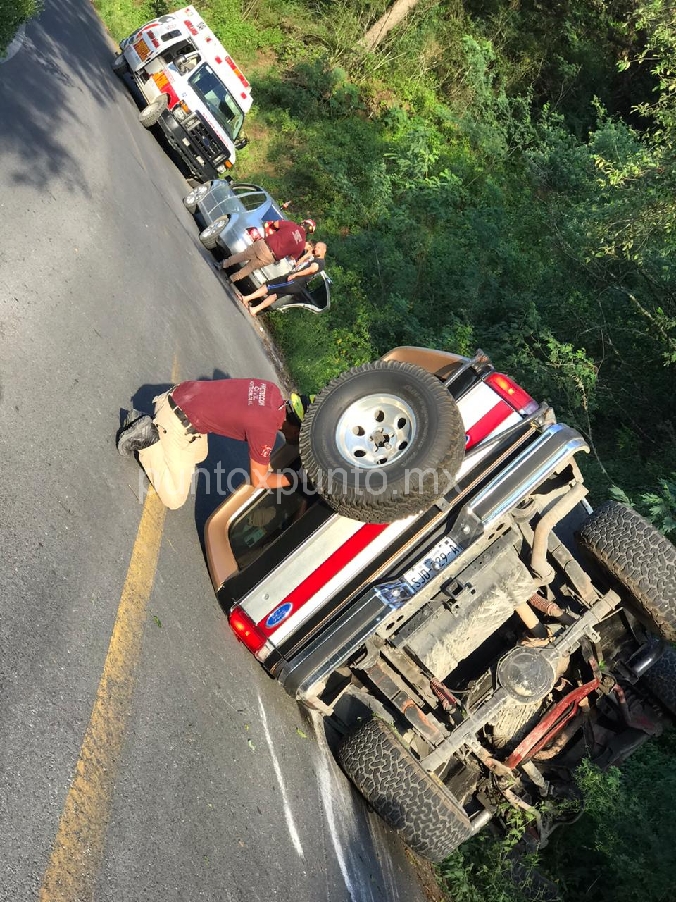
column 438, row 557
column 142, row 49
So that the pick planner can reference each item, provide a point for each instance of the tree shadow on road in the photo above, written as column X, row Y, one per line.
column 66, row 56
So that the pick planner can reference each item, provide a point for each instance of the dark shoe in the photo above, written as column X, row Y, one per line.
column 131, row 417
column 140, row 434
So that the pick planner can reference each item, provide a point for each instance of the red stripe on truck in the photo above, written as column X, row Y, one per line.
column 488, row 422
column 325, row 572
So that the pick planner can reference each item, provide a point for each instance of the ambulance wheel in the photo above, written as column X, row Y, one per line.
column 120, row 65
column 152, row 114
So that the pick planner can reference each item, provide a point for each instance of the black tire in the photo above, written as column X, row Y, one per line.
column 151, row 115
column 120, row 65
column 661, row 680
column 424, row 454
column 189, row 207
column 426, row 816
column 638, row 559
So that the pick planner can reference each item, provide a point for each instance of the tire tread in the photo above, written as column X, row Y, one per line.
column 427, row 817
column 661, row 679
column 639, row 558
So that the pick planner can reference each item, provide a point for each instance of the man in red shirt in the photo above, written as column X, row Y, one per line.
column 284, row 239
column 174, row 441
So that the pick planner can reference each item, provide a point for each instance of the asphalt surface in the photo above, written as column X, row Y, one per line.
column 219, row 788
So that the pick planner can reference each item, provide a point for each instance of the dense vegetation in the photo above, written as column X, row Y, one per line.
column 493, row 181
column 497, row 174
column 494, row 174
column 12, row 14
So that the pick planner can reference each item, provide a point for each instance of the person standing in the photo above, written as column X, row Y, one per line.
column 174, row 441
column 283, row 239
column 294, row 283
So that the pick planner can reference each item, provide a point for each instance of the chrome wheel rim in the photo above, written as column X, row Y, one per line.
column 214, row 229
column 376, row 431
column 196, row 195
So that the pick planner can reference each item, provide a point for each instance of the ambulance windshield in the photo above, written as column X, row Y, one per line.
column 218, row 99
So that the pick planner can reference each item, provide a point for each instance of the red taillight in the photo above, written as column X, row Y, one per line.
column 238, row 72
column 151, row 35
column 246, row 630
column 191, row 28
column 254, row 234
column 512, row 393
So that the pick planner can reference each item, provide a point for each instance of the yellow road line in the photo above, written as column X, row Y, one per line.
column 78, row 846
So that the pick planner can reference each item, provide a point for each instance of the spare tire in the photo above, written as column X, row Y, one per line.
column 382, row 441
column 638, row 559
column 424, row 813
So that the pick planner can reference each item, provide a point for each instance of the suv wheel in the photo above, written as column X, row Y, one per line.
column 638, row 559
column 382, row 441
column 209, row 237
column 426, row 816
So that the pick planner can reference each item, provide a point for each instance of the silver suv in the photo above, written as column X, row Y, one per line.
column 231, row 217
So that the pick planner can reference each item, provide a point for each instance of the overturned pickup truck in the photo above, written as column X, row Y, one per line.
column 438, row 587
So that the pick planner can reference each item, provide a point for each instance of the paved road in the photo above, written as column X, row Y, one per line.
column 143, row 755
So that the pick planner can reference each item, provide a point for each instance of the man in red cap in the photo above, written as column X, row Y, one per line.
column 283, row 239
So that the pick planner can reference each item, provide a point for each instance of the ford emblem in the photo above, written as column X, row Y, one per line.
column 279, row 614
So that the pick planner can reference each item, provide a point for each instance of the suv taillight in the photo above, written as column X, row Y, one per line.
column 512, row 393
column 246, row 630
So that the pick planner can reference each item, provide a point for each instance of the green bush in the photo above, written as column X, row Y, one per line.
column 623, row 849
column 12, row 14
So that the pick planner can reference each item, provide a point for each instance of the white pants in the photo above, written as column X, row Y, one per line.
column 170, row 462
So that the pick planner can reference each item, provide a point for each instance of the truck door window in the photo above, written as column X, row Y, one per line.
column 178, row 50
column 218, row 99
column 263, row 522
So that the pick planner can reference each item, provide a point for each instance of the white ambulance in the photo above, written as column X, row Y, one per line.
column 192, row 87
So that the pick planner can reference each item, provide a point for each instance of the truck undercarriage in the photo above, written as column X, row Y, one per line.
column 473, row 653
